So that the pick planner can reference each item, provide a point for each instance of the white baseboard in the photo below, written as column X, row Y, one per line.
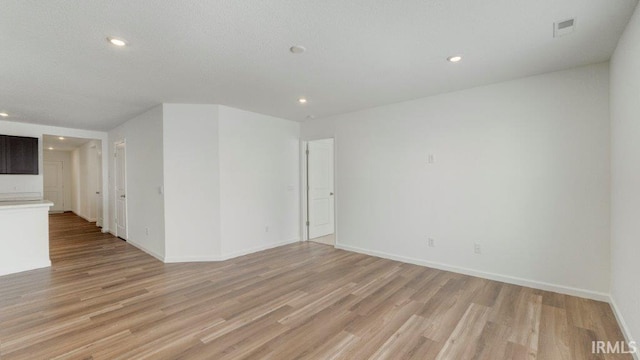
column 84, row 217
column 228, row 256
column 623, row 325
column 594, row 295
column 147, row 250
column 184, row 259
column 25, row 267
column 236, row 254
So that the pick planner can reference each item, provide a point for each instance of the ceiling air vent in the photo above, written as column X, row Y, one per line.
column 562, row 28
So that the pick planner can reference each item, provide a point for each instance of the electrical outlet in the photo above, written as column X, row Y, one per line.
column 431, row 159
column 266, row 229
column 146, row 231
column 477, row 249
column 431, row 242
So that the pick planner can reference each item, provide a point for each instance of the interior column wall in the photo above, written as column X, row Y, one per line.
column 259, row 181
column 625, row 181
column 192, row 182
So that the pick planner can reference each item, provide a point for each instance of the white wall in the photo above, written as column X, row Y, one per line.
column 521, row 167
column 191, row 182
column 259, row 181
column 144, row 166
column 625, row 180
column 65, row 158
column 231, row 182
column 34, row 183
column 84, row 174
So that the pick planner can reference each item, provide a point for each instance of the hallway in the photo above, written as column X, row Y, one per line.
column 67, row 231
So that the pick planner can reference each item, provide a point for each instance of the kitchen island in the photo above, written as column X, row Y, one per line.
column 24, row 235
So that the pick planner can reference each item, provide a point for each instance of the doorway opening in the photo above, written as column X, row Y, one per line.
column 72, row 176
column 72, row 180
column 319, row 194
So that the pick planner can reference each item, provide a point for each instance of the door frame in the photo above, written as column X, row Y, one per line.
column 99, row 188
column 105, row 145
column 115, row 191
column 304, row 193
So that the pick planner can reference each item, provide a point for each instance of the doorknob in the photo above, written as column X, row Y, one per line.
column 330, row 194
column 97, row 192
column 122, row 196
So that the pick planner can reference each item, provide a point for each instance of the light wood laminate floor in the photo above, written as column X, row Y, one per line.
column 105, row 299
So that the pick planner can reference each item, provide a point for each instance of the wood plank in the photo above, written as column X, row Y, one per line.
column 105, row 299
column 463, row 342
column 554, row 341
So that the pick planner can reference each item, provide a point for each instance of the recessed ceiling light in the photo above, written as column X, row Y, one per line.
column 3, row 114
column 302, row 101
column 297, row 49
column 50, row 148
column 61, row 137
column 454, row 59
column 116, row 41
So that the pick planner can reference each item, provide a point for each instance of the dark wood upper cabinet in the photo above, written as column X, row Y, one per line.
column 20, row 155
column 3, row 155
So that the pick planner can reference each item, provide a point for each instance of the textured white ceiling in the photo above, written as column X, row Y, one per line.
column 68, row 144
column 56, row 67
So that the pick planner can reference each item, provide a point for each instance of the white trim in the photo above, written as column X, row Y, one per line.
column 256, row 249
column 303, row 190
column 303, row 184
column 623, row 325
column 105, row 229
column 117, row 143
column 594, row 295
column 184, row 259
column 25, row 267
column 223, row 257
column 83, row 217
column 147, row 250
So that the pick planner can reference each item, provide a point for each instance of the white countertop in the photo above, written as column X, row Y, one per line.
column 5, row 205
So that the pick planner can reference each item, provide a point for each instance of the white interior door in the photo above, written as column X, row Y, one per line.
column 54, row 185
column 121, row 190
column 320, row 185
column 98, row 202
column 90, row 190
